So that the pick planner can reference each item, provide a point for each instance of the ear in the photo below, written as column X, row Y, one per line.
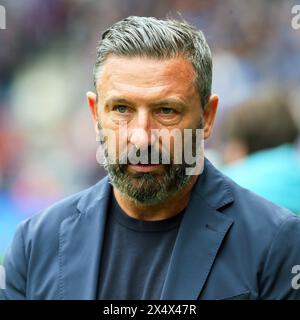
column 209, row 115
column 92, row 102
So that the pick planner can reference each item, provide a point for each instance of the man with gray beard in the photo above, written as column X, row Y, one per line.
column 173, row 228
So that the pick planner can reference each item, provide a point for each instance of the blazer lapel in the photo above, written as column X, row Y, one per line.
column 199, row 238
column 80, row 245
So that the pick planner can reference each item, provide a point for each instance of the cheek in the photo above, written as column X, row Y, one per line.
column 109, row 122
column 172, row 145
column 117, row 130
column 122, row 140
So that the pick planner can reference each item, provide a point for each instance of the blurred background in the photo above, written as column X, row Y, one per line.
column 47, row 141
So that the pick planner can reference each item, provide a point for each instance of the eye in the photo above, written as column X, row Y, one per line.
column 121, row 108
column 167, row 111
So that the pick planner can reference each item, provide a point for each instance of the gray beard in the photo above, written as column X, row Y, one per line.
column 148, row 188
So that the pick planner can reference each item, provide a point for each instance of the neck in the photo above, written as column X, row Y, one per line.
column 165, row 210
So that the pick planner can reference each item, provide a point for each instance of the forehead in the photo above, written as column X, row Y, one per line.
column 140, row 77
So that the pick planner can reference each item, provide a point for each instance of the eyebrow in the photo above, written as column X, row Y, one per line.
column 173, row 102
column 176, row 102
column 117, row 100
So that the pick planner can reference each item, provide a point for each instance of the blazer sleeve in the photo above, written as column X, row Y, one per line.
column 15, row 267
column 280, row 279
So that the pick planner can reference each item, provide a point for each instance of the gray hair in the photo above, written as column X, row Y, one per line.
column 161, row 39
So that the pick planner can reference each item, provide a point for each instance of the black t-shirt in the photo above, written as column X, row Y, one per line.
column 135, row 255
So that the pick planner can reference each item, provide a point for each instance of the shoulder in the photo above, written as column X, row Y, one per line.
column 48, row 221
column 250, row 206
column 258, row 219
column 240, row 204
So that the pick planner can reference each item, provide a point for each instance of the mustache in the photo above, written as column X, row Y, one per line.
column 148, row 155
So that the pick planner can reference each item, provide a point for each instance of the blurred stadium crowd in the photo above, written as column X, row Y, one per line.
column 47, row 142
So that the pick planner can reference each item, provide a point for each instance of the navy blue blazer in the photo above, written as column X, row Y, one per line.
column 231, row 244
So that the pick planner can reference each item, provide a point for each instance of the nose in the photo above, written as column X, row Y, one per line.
column 140, row 132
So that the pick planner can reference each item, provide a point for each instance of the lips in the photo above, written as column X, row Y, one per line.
column 144, row 167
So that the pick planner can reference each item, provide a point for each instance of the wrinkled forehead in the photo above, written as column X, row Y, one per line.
column 146, row 76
